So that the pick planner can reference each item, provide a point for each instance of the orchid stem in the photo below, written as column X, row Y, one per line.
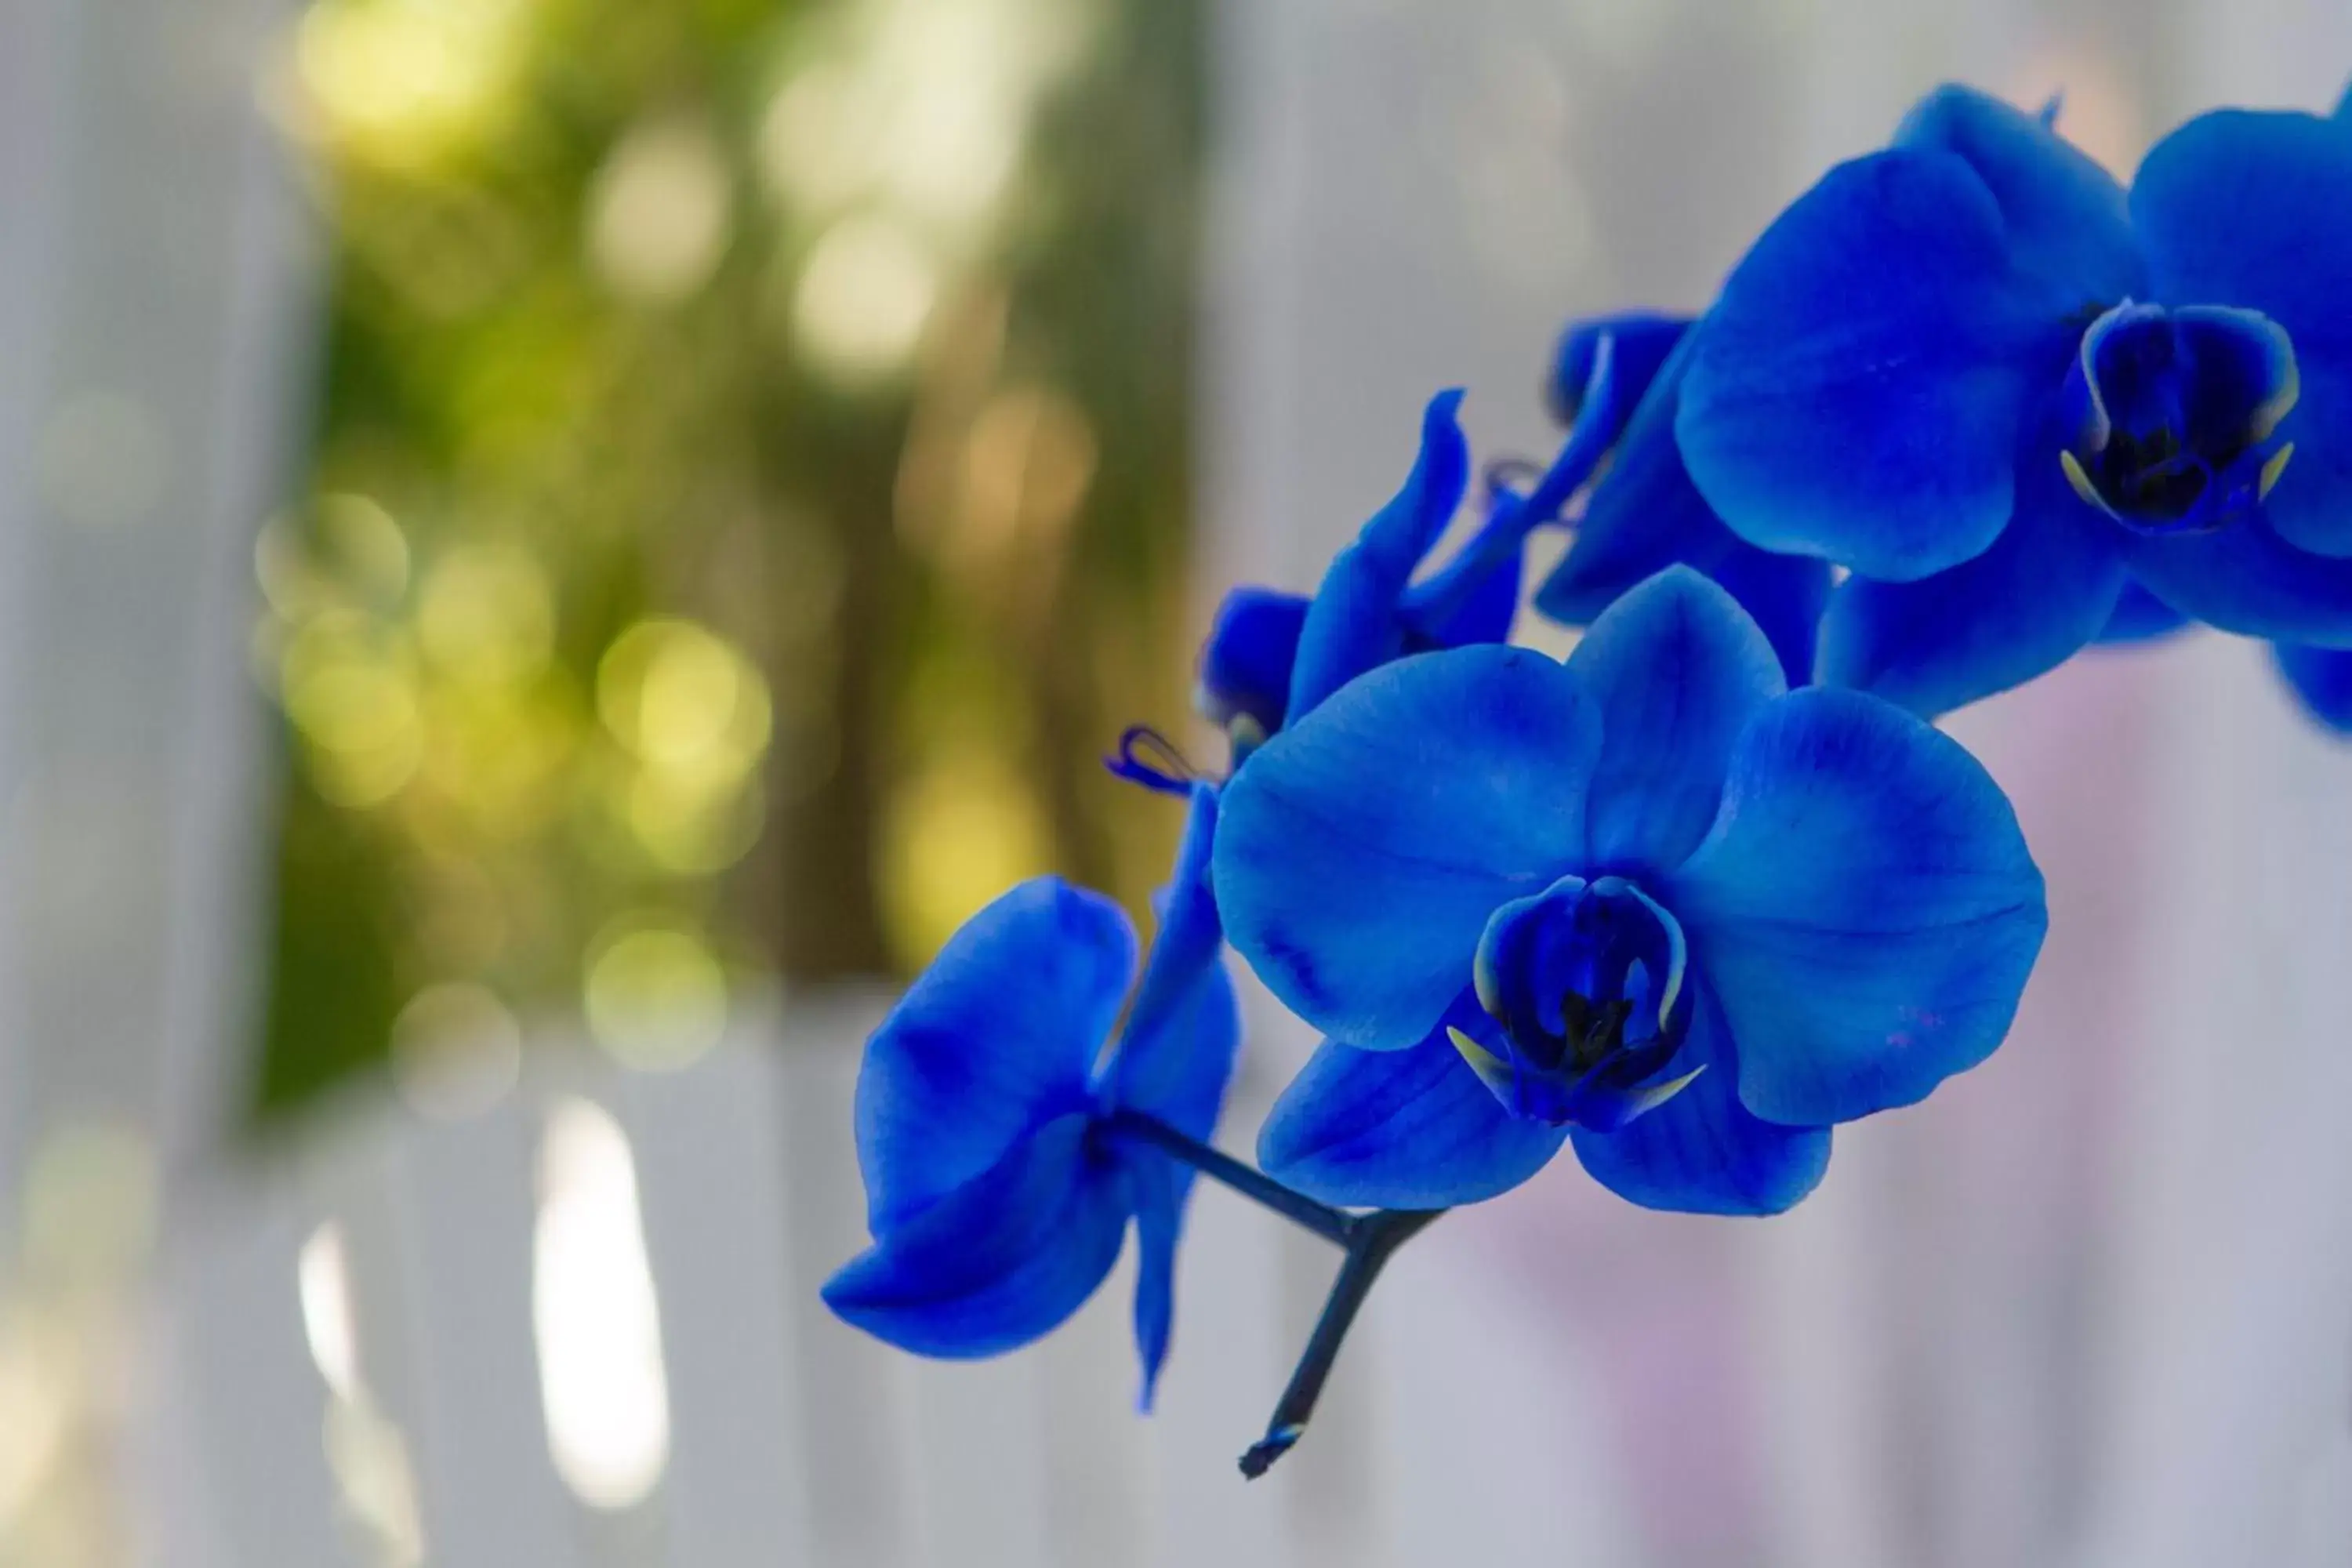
column 1376, row 1237
column 1369, row 1239
column 1334, row 1226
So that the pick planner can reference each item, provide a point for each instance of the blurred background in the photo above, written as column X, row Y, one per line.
column 551, row 549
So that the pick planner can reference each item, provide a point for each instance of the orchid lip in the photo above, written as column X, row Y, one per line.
column 1583, row 990
column 2176, row 415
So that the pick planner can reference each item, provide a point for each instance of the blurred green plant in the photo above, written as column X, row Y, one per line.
column 750, row 489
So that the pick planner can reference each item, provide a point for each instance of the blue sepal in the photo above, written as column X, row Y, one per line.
column 1677, row 671
column 1175, row 1057
column 1000, row 1261
column 1410, row 1128
column 2321, row 679
column 1703, row 1152
column 1864, row 908
column 2248, row 579
column 1353, row 625
column 2066, row 217
column 1644, row 516
column 2047, row 587
column 2140, row 616
column 966, row 1065
column 1858, row 391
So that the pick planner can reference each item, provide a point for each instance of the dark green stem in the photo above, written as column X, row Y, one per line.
column 1376, row 1237
column 1370, row 1239
column 1334, row 1225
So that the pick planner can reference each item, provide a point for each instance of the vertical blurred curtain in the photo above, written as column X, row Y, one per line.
column 2092, row 1305
column 153, row 276
column 152, row 288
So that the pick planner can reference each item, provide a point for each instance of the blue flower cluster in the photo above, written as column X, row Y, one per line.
column 998, row 1188
column 2023, row 409
column 1712, row 885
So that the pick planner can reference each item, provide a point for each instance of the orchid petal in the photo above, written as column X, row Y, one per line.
column 1644, row 515
column 991, row 1041
column 2045, row 590
column 1677, row 670
column 1864, row 909
column 999, row 1262
column 1360, row 852
column 2065, row 217
column 1410, row 1128
column 1703, row 1152
column 1858, row 390
column 1353, row 625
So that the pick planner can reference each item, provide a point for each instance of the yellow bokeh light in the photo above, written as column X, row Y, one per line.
column 865, row 294
column 690, row 831
column 919, row 106
column 684, row 702
column 814, row 138
column 352, row 707
column 350, row 688
column 687, row 701
column 488, row 614
column 363, row 548
column 1028, row 463
column 963, row 102
column 282, row 566
column 960, row 833
column 358, row 779
column 656, row 996
column 658, row 215
column 501, row 754
column 400, row 80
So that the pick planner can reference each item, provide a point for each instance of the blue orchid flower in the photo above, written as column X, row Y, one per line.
column 1638, row 344
column 2140, row 616
column 1973, row 371
column 2321, row 679
column 1271, row 657
column 998, row 1191
column 1644, row 514
column 1650, row 903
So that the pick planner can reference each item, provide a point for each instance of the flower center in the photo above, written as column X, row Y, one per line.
column 2173, row 415
column 1582, row 988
